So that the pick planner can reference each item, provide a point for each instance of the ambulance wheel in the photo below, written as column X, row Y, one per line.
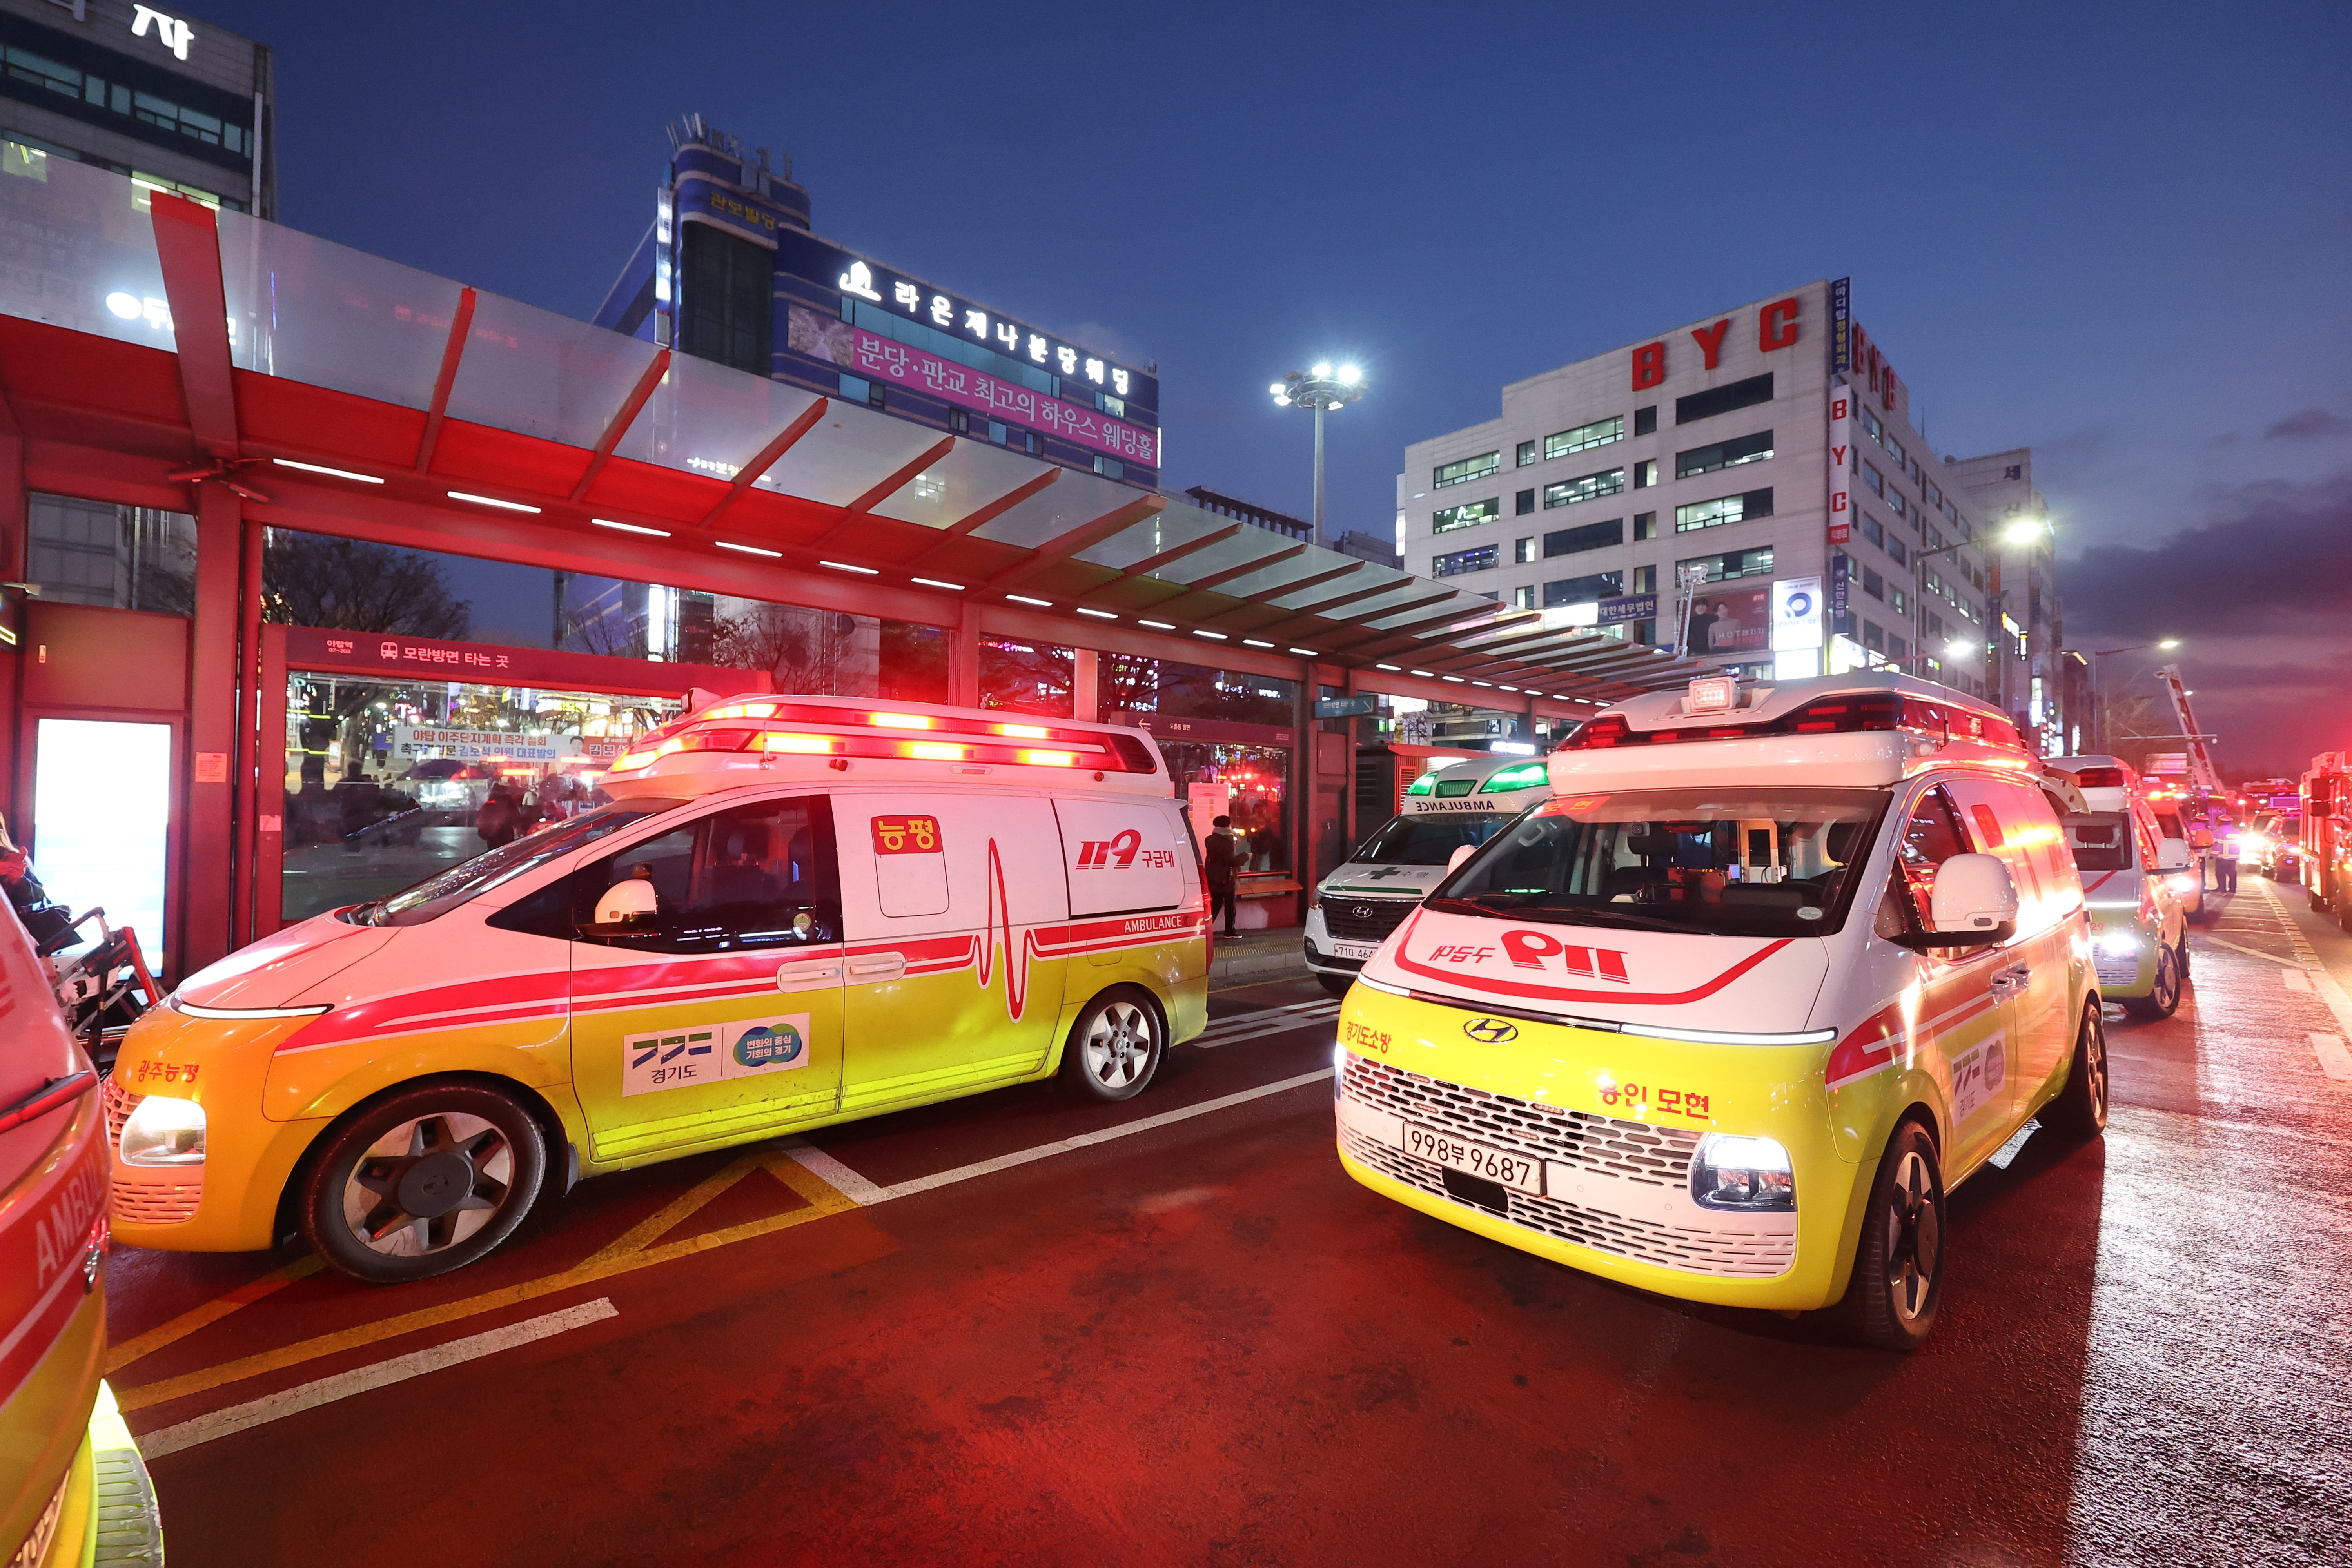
column 2081, row 1108
column 1337, row 984
column 2180, row 952
column 423, row 1180
column 2163, row 998
column 1898, row 1266
column 1116, row 1045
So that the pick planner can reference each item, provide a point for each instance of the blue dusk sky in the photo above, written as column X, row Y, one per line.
column 2117, row 234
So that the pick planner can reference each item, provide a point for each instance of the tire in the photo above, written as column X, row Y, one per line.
column 1337, row 984
column 425, row 1180
column 2163, row 998
column 2081, row 1109
column 1117, row 1045
column 1898, row 1265
column 2180, row 953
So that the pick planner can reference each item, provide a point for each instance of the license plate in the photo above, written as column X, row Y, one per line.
column 1359, row 951
column 1516, row 1172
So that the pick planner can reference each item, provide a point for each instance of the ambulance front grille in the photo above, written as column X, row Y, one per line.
column 1691, row 1251
column 119, row 1103
column 1350, row 916
column 1630, row 1151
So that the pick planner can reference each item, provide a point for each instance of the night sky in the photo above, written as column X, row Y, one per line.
column 2120, row 234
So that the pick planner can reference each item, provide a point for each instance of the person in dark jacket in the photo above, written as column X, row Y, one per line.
column 496, row 821
column 1223, row 853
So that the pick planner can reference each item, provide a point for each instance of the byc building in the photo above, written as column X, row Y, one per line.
column 1682, row 491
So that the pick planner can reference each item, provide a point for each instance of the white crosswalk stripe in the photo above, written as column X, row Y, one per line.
column 1238, row 1028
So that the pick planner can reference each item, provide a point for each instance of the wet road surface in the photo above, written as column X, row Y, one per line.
column 1022, row 1328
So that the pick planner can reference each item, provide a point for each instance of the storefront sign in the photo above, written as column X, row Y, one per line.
column 1841, row 461
column 1795, row 613
column 418, row 741
column 1220, row 731
column 1728, row 621
column 1629, row 607
column 1361, row 704
column 878, row 358
column 335, row 651
column 1841, row 326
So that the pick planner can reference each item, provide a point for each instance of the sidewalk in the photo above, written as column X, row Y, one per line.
column 1278, row 953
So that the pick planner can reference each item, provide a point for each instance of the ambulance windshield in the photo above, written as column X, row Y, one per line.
column 2101, row 841
column 1759, row 863
column 439, row 893
column 1425, row 840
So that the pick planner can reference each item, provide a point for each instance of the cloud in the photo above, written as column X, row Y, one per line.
column 2310, row 425
column 2272, row 557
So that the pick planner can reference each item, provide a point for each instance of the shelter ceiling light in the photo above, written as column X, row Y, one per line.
column 333, row 473
column 1218, row 637
column 1253, row 642
column 845, row 566
column 629, row 527
column 935, row 582
column 1155, row 625
column 748, row 550
column 1306, row 653
column 1392, row 668
column 1098, row 614
column 489, row 500
column 1025, row 599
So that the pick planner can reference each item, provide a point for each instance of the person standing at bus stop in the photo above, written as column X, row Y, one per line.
column 1223, row 852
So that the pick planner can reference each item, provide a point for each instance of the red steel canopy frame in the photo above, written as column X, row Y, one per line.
column 327, row 401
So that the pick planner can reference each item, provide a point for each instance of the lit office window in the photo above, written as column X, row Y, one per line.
column 1584, row 437
column 1591, row 487
column 1722, row 509
column 1467, row 468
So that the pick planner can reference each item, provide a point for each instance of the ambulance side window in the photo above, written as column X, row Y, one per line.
column 1932, row 835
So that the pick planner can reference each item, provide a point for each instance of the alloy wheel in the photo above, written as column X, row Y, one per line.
column 1914, row 1238
column 1118, row 1045
column 428, row 1184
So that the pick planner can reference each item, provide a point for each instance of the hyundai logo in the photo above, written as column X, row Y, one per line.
column 1491, row 1031
column 1362, row 912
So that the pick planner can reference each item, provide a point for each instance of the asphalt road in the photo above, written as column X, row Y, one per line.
column 956, row 1335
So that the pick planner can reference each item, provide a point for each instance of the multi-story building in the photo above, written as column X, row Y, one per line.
column 2027, row 678
column 169, row 99
column 1682, row 491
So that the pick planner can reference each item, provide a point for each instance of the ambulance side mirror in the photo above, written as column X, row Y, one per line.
column 1974, row 903
column 1461, row 852
column 2172, row 855
column 628, row 904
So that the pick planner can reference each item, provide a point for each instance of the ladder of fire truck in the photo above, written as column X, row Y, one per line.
column 2204, row 778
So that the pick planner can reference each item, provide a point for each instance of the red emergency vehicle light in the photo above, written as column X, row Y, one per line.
column 2100, row 778
column 801, row 728
column 1823, row 716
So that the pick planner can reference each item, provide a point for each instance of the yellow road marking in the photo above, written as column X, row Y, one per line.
column 676, row 1212
column 212, row 1311
column 822, row 1200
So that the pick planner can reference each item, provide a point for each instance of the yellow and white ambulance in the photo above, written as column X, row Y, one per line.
column 797, row 910
column 1353, row 910
column 2135, row 881
column 1729, row 1016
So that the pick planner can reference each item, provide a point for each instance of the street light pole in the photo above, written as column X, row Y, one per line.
column 1321, row 389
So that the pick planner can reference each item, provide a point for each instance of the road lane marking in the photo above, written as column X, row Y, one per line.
column 2251, row 951
column 675, row 1212
column 304, row 1396
column 2335, row 1059
column 212, row 1311
column 589, row 1272
column 2296, row 980
column 2304, row 951
column 1088, row 1140
column 836, row 1175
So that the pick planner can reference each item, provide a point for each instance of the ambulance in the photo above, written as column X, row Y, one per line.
column 1729, row 1017
column 73, row 1490
column 2135, row 881
column 1353, row 910
column 797, row 910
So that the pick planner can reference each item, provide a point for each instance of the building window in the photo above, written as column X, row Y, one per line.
column 1895, row 450
column 1524, row 550
column 1462, row 561
column 1873, row 636
column 1895, row 548
column 1870, row 423
column 1724, row 455
column 119, row 557
column 1645, row 473
column 1464, row 471
column 1722, row 509
column 1645, row 580
column 1110, row 467
column 1897, row 600
column 1730, row 565
column 1582, row 590
column 1871, row 532
column 1584, row 437
column 1525, row 455
column 1645, row 526
column 1524, row 502
column 1591, row 487
column 1935, row 498
column 1591, row 536
column 1111, row 405
column 1874, row 480
column 1717, row 400
column 1469, row 514
column 1645, row 420
column 95, row 96
column 726, row 301
column 1873, row 583
column 1523, row 597
column 960, row 421
column 1895, row 499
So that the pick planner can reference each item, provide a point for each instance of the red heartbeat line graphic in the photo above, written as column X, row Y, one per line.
column 1019, row 948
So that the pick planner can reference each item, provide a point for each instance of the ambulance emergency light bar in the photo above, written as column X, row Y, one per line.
column 1840, row 714
column 813, row 730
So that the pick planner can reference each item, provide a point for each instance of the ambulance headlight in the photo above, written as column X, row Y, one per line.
column 2185, row 882
column 1736, row 1172
column 163, row 1131
column 2119, row 943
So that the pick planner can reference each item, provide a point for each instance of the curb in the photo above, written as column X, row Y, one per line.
column 1244, row 969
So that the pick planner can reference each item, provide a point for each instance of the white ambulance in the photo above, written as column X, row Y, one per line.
column 1353, row 910
column 2138, row 883
column 1729, row 1015
column 797, row 910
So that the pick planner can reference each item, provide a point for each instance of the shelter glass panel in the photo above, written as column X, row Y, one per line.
column 324, row 314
